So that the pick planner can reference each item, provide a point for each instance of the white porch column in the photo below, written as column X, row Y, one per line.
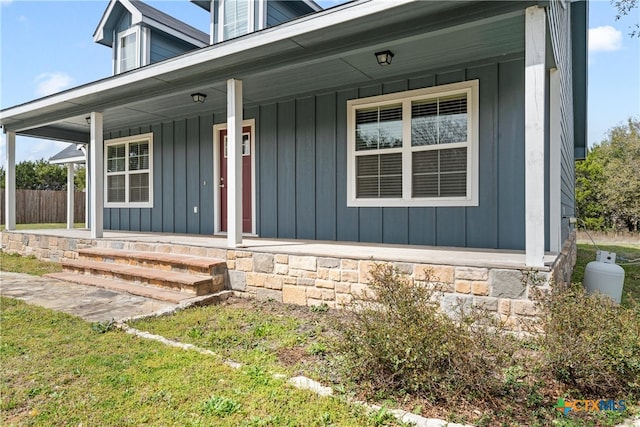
column 10, row 182
column 535, row 27
column 70, row 193
column 555, row 161
column 234, row 162
column 87, row 180
column 96, row 183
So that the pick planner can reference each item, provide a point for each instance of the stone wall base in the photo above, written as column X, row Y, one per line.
column 339, row 282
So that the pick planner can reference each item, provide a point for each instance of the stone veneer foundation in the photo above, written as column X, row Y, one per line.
column 337, row 282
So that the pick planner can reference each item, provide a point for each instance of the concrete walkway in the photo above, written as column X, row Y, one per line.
column 88, row 302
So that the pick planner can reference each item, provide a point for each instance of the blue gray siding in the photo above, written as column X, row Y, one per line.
column 280, row 11
column 301, row 156
column 163, row 47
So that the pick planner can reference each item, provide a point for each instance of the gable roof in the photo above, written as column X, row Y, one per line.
column 71, row 154
column 143, row 13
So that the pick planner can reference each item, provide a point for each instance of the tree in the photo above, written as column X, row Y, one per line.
column 41, row 175
column 608, row 181
column 624, row 7
column 622, row 174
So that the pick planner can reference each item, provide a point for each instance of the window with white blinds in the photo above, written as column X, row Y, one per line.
column 128, row 50
column 415, row 148
column 128, row 171
column 235, row 18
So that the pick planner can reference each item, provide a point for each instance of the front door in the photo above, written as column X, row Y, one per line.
column 247, row 191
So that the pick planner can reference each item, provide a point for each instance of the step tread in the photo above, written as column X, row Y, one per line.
column 171, row 258
column 144, row 272
column 122, row 286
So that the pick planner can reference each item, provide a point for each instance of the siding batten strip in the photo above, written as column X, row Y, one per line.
column 535, row 39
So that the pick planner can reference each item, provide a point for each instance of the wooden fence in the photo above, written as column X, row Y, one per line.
column 43, row 206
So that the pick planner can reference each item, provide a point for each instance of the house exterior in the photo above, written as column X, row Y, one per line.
column 447, row 124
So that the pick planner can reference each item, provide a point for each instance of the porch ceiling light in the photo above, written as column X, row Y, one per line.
column 88, row 119
column 198, row 97
column 384, row 57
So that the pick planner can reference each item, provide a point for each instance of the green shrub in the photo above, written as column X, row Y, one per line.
column 400, row 341
column 590, row 343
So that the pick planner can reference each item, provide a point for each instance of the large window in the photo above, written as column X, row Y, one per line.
column 128, row 171
column 415, row 148
column 236, row 18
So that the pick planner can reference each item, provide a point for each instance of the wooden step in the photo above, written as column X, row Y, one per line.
column 157, row 260
column 195, row 284
column 121, row 286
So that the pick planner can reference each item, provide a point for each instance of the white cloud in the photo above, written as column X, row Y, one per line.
column 604, row 39
column 49, row 83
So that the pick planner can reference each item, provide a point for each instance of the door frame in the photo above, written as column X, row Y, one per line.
column 251, row 123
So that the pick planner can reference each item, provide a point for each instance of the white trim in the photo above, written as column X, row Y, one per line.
column 127, row 140
column 145, row 46
column 78, row 159
column 133, row 30
column 471, row 88
column 10, row 182
column 555, row 163
column 216, row 176
column 534, row 123
column 304, row 25
column 96, row 163
column 262, row 14
column 70, row 195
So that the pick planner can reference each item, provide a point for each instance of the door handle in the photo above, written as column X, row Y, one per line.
column 221, row 182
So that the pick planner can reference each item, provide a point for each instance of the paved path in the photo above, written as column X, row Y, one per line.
column 88, row 302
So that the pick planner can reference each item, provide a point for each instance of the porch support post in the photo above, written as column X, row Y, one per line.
column 87, row 180
column 70, row 194
column 234, row 162
column 10, row 182
column 535, row 39
column 96, row 183
column 555, row 161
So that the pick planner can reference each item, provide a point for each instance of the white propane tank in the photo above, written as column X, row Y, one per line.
column 605, row 276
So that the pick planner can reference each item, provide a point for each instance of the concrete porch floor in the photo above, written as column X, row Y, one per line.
column 488, row 258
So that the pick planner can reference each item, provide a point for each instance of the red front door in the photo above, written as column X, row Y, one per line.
column 246, row 180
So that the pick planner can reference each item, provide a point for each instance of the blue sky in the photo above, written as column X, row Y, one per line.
column 47, row 46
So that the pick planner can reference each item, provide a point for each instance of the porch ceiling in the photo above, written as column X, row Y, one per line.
column 296, row 58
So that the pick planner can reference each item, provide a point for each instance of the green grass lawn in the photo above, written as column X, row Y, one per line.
column 29, row 265
column 587, row 253
column 56, row 370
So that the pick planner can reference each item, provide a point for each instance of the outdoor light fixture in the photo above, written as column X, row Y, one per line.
column 88, row 119
column 198, row 97
column 384, row 57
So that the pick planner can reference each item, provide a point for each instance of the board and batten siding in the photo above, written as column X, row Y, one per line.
column 301, row 178
column 163, row 47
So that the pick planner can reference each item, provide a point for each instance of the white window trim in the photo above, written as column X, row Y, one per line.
column 472, row 89
column 121, row 35
column 148, row 137
column 250, row 19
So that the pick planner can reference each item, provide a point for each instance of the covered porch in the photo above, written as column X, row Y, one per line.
column 261, row 70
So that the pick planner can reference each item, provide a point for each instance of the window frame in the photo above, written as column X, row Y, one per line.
column 221, row 20
column 127, row 141
column 471, row 88
column 122, row 34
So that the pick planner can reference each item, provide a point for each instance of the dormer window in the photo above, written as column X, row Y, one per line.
column 237, row 18
column 128, row 55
